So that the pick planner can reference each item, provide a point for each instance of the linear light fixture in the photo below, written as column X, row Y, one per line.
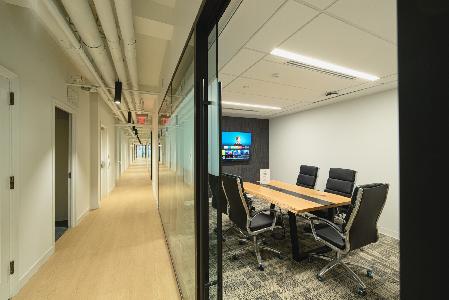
column 322, row 64
column 250, row 105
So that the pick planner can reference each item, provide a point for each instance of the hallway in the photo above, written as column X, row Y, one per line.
column 116, row 252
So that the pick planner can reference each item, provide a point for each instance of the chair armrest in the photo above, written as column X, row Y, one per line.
column 316, row 220
column 258, row 212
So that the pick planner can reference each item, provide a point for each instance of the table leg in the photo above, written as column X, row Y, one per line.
column 296, row 247
column 331, row 212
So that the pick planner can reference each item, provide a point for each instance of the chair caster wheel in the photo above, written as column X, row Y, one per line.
column 242, row 242
column 280, row 256
column 261, row 268
column 361, row 291
column 234, row 257
column 320, row 278
column 310, row 259
column 369, row 274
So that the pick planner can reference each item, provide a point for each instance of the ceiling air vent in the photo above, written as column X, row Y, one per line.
column 317, row 69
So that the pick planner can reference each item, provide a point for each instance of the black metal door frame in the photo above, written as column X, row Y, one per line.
column 210, row 13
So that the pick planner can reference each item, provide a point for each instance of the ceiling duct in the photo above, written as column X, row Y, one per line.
column 71, row 40
column 126, row 24
column 317, row 69
column 105, row 13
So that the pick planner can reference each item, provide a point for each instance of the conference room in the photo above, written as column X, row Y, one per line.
column 304, row 196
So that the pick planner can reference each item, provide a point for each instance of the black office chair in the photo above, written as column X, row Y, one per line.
column 340, row 182
column 248, row 223
column 359, row 230
column 307, row 176
column 217, row 193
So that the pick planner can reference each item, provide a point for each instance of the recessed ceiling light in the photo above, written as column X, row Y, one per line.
column 246, row 86
column 275, row 75
column 322, row 64
column 250, row 105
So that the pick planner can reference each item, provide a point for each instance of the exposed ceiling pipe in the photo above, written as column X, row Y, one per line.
column 82, row 17
column 61, row 38
column 60, row 20
column 125, row 19
column 105, row 13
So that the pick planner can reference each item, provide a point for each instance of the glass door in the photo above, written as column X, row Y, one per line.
column 215, row 202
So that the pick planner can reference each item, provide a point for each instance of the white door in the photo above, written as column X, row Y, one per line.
column 104, row 164
column 5, row 192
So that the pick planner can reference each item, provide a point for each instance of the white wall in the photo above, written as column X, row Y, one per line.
column 101, row 115
column 82, row 156
column 43, row 70
column 360, row 134
column 108, row 121
column 27, row 50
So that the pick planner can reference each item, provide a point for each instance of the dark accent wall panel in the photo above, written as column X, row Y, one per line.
column 259, row 129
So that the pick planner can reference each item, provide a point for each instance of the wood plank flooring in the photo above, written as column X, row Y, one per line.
column 117, row 252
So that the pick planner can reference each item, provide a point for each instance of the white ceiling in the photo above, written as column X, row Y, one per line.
column 358, row 34
column 153, row 26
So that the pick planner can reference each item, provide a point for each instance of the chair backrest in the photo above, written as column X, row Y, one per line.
column 217, row 193
column 366, row 206
column 340, row 182
column 238, row 207
column 307, row 176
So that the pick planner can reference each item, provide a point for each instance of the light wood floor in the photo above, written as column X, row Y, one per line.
column 117, row 252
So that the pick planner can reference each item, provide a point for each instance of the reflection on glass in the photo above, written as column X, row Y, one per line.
column 176, row 167
column 213, row 163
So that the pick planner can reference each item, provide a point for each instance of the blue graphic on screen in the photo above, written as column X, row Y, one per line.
column 235, row 146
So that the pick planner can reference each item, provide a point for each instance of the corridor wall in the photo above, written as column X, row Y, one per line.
column 43, row 71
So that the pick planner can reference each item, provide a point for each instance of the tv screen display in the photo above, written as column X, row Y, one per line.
column 235, row 146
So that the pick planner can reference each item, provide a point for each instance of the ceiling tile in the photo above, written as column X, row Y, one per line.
column 377, row 16
column 287, row 20
column 254, row 99
column 322, row 4
column 268, row 90
column 250, row 16
column 170, row 3
column 241, row 61
column 153, row 28
column 334, row 41
column 225, row 79
column 148, row 101
column 150, row 54
column 281, row 73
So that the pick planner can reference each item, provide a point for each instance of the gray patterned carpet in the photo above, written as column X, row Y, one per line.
column 287, row 279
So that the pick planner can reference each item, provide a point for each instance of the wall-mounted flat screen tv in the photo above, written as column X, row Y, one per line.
column 235, row 146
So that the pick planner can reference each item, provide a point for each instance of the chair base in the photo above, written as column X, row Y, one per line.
column 258, row 245
column 337, row 261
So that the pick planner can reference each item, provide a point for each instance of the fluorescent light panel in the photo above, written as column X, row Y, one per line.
column 250, row 105
column 322, row 64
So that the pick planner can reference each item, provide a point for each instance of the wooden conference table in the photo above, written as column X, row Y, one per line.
column 296, row 200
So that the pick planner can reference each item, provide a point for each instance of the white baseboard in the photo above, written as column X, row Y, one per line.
column 81, row 218
column 389, row 232
column 34, row 268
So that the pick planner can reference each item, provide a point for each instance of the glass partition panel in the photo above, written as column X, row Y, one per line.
column 215, row 202
column 176, row 177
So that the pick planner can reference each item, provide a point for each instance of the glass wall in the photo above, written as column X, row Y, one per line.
column 176, row 167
